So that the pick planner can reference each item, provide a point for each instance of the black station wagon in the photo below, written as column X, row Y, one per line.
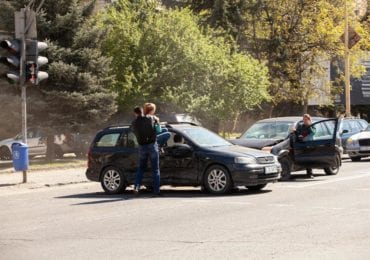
column 193, row 156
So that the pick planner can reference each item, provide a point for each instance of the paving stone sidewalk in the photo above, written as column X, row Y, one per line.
column 42, row 178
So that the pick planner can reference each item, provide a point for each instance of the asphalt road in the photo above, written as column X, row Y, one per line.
column 327, row 217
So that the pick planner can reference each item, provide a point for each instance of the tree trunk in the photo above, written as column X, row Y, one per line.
column 236, row 118
column 50, row 147
column 305, row 106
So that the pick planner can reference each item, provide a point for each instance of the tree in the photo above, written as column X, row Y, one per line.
column 165, row 56
column 78, row 92
column 291, row 36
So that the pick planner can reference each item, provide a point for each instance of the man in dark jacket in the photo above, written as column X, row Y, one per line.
column 143, row 128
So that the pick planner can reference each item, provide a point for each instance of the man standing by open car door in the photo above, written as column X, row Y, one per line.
column 143, row 128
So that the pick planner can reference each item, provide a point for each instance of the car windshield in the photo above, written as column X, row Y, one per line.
column 204, row 137
column 268, row 130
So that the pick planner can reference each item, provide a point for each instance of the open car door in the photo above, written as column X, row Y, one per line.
column 318, row 150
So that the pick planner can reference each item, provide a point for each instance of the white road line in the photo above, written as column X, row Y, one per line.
column 315, row 183
column 281, row 205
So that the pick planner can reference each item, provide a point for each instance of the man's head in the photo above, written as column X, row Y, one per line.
column 307, row 119
column 149, row 108
column 138, row 111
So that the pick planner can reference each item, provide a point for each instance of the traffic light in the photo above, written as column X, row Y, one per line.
column 12, row 60
column 34, row 61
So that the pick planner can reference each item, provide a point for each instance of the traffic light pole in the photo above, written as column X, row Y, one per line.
column 22, row 84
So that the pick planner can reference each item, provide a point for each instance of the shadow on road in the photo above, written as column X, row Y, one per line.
column 101, row 197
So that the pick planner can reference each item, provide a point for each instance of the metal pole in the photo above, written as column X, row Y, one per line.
column 346, row 66
column 23, row 86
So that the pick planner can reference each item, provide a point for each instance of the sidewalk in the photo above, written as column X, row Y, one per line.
column 42, row 178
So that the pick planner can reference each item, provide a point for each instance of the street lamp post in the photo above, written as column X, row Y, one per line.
column 346, row 66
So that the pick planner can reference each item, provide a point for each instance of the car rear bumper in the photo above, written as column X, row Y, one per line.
column 249, row 175
column 92, row 175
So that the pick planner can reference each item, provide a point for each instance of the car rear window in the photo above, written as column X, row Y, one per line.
column 108, row 140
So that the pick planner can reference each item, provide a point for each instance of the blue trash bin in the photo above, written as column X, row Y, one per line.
column 20, row 156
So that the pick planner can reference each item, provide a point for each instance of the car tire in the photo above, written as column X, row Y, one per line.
column 5, row 153
column 256, row 187
column 355, row 159
column 286, row 168
column 217, row 180
column 333, row 170
column 113, row 181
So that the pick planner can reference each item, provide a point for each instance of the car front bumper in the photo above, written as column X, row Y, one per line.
column 253, row 174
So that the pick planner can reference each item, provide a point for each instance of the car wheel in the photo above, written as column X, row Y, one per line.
column 256, row 187
column 286, row 168
column 217, row 180
column 5, row 153
column 112, row 181
column 355, row 159
column 335, row 169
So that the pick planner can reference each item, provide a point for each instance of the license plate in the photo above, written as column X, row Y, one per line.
column 365, row 148
column 270, row 169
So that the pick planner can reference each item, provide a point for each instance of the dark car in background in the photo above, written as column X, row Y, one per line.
column 193, row 156
column 319, row 150
column 274, row 134
column 268, row 132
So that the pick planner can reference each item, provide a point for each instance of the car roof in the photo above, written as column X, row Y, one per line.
column 288, row 119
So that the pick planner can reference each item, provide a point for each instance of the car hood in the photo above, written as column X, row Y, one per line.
column 362, row 135
column 255, row 143
column 239, row 151
column 8, row 141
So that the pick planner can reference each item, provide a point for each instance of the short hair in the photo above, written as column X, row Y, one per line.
column 149, row 107
column 138, row 110
column 307, row 116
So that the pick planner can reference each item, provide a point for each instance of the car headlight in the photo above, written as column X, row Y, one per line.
column 352, row 142
column 244, row 160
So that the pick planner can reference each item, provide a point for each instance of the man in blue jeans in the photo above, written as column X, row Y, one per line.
column 143, row 128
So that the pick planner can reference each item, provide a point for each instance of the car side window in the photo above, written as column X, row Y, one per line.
column 128, row 140
column 108, row 140
column 176, row 139
column 324, row 130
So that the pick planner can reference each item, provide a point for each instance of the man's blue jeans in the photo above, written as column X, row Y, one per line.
column 149, row 151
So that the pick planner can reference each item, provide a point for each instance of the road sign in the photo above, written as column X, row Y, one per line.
column 353, row 37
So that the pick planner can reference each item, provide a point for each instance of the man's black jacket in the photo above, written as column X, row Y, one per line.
column 143, row 128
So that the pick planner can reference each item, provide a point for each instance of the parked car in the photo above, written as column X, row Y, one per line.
column 193, row 156
column 358, row 145
column 36, row 141
column 274, row 134
column 268, row 132
column 319, row 151
column 349, row 127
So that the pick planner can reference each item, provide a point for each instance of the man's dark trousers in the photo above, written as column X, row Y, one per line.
column 149, row 151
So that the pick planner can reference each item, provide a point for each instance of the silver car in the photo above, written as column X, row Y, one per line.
column 358, row 145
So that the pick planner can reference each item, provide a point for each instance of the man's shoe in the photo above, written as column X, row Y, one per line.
column 136, row 191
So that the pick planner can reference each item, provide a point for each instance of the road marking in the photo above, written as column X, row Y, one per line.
column 281, row 205
column 363, row 189
column 328, row 208
column 315, row 183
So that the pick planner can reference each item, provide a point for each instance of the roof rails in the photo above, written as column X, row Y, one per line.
column 179, row 123
column 116, row 126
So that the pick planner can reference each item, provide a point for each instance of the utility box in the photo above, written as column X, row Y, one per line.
column 20, row 156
